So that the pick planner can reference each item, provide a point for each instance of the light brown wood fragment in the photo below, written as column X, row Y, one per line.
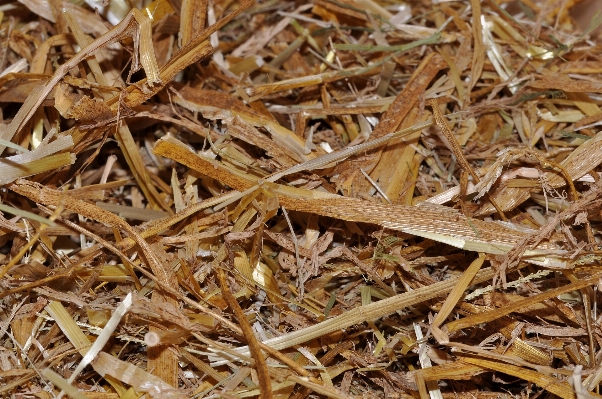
column 561, row 81
column 347, row 8
column 129, row 212
column 101, row 395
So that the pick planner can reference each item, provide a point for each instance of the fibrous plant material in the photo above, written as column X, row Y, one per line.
column 338, row 199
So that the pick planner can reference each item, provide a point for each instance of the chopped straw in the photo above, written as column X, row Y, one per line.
column 277, row 199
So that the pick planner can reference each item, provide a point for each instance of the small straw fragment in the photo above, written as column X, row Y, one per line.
column 102, row 339
column 63, row 384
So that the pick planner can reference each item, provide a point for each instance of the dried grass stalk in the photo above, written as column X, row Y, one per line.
column 271, row 177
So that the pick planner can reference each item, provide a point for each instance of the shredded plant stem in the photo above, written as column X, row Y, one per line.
column 265, row 386
column 293, row 200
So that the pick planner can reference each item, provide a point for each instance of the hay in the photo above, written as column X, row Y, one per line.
column 335, row 199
